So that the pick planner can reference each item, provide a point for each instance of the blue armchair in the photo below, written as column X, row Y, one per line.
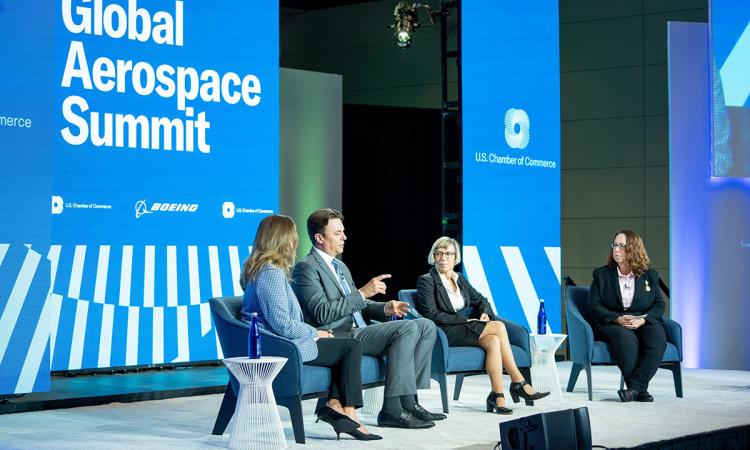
column 585, row 351
column 466, row 361
column 295, row 382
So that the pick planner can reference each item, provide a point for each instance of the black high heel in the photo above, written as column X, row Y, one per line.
column 492, row 404
column 340, row 422
column 360, row 436
column 517, row 390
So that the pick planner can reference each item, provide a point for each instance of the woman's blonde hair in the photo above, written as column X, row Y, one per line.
column 275, row 243
column 444, row 242
column 635, row 250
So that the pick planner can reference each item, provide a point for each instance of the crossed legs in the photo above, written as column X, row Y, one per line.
column 494, row 340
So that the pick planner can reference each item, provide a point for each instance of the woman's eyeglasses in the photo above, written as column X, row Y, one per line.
column 615, row 245
column 446, row 254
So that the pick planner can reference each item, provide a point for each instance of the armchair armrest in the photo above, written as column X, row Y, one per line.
column 674, row 334
column 580, row 337
column 518, row 335
column 287, row 382
column 440, row 352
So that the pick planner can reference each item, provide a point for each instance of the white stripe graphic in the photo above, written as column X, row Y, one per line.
column 3, row 251
column 522, row 282
column 105, row 340
column 17, row 298
column 76, row 273
column 194, row 275
column 249, row 250
column 79, row 335
column 54, row 321
column 734, row 72
column 148, row 276
column 100, row 288
column 219, row 352
column 553, row 255
column 54, row 259
column 131, row 347
column 205, row 318
column 213, row 262
column 234, row 263
column 183, row 343
column 171, row 275
column 475, row 273
column 125, row 274
column 157, row 352
column 35, row 352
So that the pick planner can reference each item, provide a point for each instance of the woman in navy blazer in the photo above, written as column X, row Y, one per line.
column 626, row 306
column 466, row 316
column 269, row 294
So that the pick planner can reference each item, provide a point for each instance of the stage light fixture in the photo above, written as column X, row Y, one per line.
column 406, row 21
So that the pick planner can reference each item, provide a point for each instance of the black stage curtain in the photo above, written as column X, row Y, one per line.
column 391, row 192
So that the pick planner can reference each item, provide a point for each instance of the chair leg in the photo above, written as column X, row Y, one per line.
column 575, row 370
column 294, row 405
column 226, row 410
column 457, row 386
column 588, row 380
column 443, row 382
column 622, row 382
column 677, row 376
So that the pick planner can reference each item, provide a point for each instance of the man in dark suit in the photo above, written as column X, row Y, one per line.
column 330, row 301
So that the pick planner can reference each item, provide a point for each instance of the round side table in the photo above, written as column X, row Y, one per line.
column 544, row 374
column 257, row 424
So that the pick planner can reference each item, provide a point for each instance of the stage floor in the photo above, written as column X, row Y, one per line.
column 713, row 400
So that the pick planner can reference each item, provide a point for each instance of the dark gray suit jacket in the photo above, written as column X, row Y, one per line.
column 323, row 301
column 605, row 298
column 433, row 301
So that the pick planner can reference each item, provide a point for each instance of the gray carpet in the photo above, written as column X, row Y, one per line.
column 713, row 400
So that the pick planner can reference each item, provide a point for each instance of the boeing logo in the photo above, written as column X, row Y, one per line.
column 517, row 128
column 141, row 208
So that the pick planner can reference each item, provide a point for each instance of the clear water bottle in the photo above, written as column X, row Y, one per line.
column 253, row 338
column 541, row 319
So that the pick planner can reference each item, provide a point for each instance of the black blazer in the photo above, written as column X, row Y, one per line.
column 605, row 299
column 433, row 302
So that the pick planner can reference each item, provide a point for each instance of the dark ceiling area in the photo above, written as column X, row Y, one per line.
column 310, row 5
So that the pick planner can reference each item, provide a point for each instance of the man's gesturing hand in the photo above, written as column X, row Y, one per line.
column 374, row 286
column 396, row 307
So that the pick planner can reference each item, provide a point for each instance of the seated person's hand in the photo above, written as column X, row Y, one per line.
column 400, row 309
column 624, row 321
column 374, row 286
column 484, row 317
column 325, row 334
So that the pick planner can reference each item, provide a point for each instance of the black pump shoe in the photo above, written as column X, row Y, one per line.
column 517, row 390
column 492, row 405
column 339, row 422
column 360, row 436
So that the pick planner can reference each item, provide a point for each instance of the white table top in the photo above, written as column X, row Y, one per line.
column 262, row 359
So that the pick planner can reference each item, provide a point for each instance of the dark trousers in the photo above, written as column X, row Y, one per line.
column 344, row 357
column 637, row 352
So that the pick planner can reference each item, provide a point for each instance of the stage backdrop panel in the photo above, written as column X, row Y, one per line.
column 163, row 135
column 709, row 217
column 26, row 88
column 511, row 156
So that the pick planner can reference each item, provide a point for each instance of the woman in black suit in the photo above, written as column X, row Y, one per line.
column 627, row 307
column 467, row 319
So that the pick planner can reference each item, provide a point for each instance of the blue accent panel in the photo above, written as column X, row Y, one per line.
column 64, row 334
column 119, row 337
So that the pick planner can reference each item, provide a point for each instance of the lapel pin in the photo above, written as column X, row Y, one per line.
column 648, row 288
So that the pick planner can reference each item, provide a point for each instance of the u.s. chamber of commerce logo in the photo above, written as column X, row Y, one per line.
column 229, row 209
column 517, row 128
column 59, row 205
column 142, row 208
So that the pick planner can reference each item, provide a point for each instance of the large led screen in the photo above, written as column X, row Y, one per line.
column 163, row 140
column 730, row 46
column 511, row 156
